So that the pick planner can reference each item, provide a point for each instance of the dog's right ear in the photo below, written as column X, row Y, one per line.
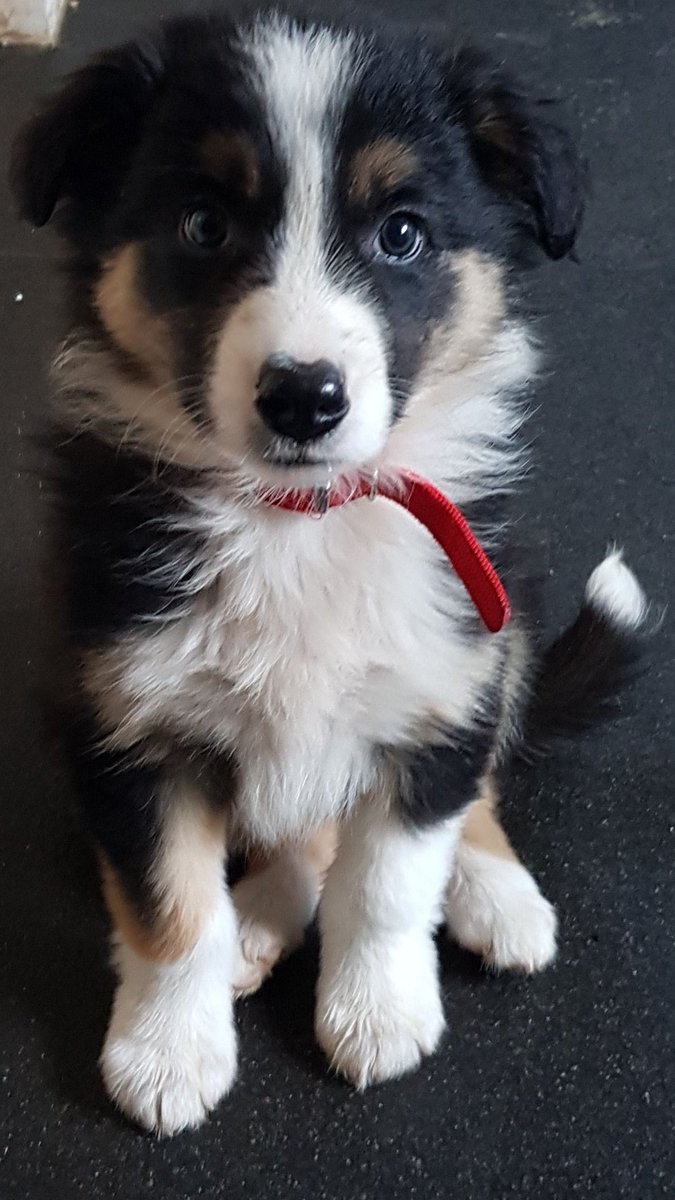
column 78, row 145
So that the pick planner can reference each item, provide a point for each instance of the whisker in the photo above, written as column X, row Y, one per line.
column 179, row 423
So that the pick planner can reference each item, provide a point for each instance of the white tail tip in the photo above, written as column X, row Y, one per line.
column 613, row 590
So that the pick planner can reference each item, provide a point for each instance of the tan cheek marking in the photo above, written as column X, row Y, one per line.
column 382, row 165
column 230, row 154
column 478, row 310
column 482, row 829
column 140, row 333
column 480, row 304
column 186, row 882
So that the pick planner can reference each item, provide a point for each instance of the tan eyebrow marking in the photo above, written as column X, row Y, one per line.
column 224, row 153
column 380, row 166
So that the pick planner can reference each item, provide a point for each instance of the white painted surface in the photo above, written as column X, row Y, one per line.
column 31, row 20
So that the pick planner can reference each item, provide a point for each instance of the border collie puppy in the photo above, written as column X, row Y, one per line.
column 292, row 258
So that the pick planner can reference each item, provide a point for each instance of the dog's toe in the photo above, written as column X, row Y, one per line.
column 260, row 949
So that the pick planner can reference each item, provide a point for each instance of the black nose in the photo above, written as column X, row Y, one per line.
column 301, row 401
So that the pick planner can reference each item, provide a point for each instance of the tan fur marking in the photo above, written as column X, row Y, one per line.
column 478, row 310
column 258, row 858
column 318, row 851
column 126, row 316
column 482, row 829
column 492, row 126
column 224, row 154
column 185, row 884
column 127, row 923
column 380, row 166
column 480, row 305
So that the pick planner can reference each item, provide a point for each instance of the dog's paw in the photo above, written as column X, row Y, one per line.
column 258, row 952
column 274, row 907
column 376, row 1024
column 166, row 1086
column 495, row 909
column 168, row 1058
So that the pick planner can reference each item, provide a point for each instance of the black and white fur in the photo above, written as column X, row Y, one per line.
column 244, row 675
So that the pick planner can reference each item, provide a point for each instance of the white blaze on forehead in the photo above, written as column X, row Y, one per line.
column 306, row 311
column 303, row 76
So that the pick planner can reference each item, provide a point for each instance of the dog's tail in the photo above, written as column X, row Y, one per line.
column 581, row 674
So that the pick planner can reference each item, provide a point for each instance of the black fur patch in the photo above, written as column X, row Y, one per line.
column 123, row 558
column 124, row 798
column 580, row 677
column 120, row 798
column 524, row 156
column 439, row 781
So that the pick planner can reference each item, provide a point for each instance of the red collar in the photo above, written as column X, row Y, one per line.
column 433, row 510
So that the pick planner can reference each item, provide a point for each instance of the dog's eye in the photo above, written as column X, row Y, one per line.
column 401, row 236
column 204, row 227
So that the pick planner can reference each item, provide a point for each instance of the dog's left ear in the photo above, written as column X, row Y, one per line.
column 522, row 155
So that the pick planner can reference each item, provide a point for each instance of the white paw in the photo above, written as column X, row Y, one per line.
column 496, row 910
column 377, row 1023
column 170, row 1053
column 168, row 1083
column 274, row 906
column 259, row 950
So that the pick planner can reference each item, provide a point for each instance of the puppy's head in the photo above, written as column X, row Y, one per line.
column 280, row 228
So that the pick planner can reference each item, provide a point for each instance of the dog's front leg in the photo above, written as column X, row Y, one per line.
column 379, row 1006
column 170, row 1052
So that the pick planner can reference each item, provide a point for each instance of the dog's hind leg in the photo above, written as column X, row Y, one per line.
column 276, row 901
column 494, row 906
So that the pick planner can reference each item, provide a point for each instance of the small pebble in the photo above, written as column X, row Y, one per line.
column 18, row 298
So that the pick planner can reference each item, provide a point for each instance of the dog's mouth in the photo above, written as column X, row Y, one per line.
column 299, row 458
column 288, row 464
column 301, row 468
column 284, row 462
column 309, row 459
column 296, row 472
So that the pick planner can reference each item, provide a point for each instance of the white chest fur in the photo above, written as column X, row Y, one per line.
column 306, row 644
